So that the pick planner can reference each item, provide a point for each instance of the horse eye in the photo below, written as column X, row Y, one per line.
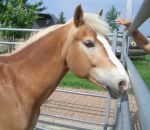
column 89, row 43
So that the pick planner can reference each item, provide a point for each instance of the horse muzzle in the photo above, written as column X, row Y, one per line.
column 120, row 91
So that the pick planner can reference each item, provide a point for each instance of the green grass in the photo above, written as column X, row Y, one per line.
column 143, row 68
column 72, row 81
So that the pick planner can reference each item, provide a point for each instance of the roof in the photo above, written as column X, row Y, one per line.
column 48, row 16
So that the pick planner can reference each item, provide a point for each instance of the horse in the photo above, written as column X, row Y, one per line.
column 30, row 75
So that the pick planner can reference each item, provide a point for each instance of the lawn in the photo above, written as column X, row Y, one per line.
column 143, row 68
column 72, row 81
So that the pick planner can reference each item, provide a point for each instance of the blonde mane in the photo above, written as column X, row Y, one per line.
column 91, row 20
column 37, row 35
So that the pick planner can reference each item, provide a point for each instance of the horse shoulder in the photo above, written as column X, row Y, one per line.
column 11, row 107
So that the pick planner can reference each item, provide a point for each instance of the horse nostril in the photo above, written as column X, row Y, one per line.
column 122, row 86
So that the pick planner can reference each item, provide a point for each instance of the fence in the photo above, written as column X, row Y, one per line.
column 77, row 110
column 18, row 30
column 141, row 92
column 122, row 121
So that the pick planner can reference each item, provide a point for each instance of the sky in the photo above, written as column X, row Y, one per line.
column 93, row 6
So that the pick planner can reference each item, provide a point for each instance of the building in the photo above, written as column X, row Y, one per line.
column 45, row 20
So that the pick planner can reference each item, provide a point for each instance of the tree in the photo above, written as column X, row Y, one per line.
column 18, row 14
column 111, row 16
column 61, row 19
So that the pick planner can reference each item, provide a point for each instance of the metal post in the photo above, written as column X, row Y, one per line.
column 141, row 16
column 142, row 94
column 123, row 49
column 129, row 9
column 125, row 114
column 107, row 112
column 124, row 119
column 118, row 116
column 114, row 41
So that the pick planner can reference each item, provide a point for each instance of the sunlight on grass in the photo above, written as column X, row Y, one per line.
column 72, row 81
column 143, row 68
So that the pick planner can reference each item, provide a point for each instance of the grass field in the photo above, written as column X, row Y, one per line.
column 143, row 68
column 72, row 81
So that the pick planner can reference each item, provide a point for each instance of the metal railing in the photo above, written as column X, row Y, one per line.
column 142, row 15
column 104, row 124
column 122, row 120
column 141, row 92
column 18, row 30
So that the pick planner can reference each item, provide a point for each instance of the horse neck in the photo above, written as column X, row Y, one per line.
column 39, row 66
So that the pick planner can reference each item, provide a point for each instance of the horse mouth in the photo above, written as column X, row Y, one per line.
column 114, row 93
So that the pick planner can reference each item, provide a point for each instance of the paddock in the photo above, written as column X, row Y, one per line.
column 112, row 114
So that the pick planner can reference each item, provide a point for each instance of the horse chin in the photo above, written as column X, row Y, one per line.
column 114, row 93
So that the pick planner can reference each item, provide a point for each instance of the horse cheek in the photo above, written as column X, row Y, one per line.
column 79, row 63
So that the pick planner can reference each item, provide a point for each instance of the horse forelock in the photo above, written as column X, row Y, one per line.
column 96, row 23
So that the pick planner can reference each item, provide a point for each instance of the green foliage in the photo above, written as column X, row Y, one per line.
column 61, row 19
column 18, row 14
column 111, row 16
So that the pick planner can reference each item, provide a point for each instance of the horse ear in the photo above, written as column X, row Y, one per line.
column 78, row 16
column 100, row 12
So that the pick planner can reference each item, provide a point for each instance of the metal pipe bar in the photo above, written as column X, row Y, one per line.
column 73, row 119
column 11, row 43
column 111, row 34
column 117, row 125
column 107, row 112
column 142, row 94
column 81, row 93
column 19, row 29
column 39, row 128
column 129, row 9
column 116, row 114
column 123, row 48
column 61, row 126
column 125, row 114
column 141, row 16
column 114, row 42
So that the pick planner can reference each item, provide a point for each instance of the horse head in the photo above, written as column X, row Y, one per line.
column 89, row 55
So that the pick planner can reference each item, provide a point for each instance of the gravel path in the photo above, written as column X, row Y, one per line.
column 85, row 108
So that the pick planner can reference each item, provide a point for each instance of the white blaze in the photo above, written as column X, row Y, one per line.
column 113, row 58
